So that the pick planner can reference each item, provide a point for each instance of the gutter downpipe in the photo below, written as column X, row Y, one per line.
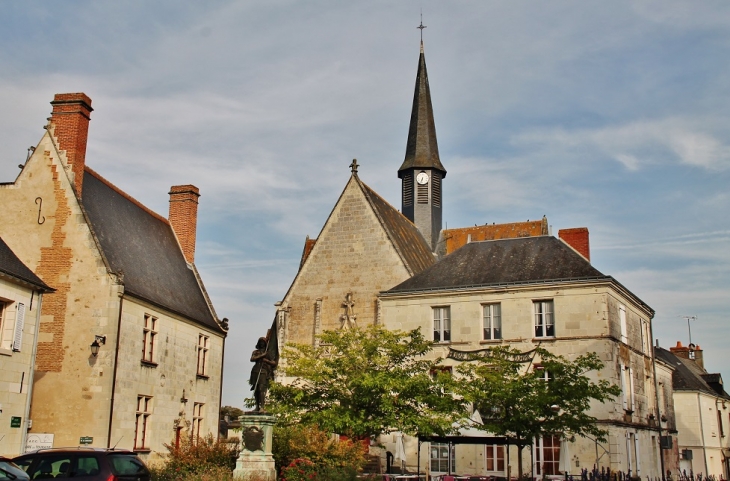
column 114, row 376
column 31, row 374
column 220, row 396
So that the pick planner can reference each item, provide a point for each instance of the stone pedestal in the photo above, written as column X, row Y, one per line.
column 256, row 438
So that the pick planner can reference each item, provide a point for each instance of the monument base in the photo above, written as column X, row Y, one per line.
column 255, row 462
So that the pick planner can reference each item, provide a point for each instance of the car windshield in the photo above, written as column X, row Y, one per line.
column 9, row 471
column 126, row 464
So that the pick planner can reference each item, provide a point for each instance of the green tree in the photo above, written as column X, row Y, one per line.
column 232, row 412
column 364, row 382
column 549, row 398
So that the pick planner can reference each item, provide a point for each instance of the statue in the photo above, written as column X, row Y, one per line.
column 348, row 319
column 265, row 362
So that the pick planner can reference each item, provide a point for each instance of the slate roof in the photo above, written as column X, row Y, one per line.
column 13, row 267
column 422, row 150
column 405, row 236
column 504, row 262
column 687, row 375
column 142, row 246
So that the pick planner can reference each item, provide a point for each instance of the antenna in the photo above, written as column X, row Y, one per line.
column 689, row 328
column 120, row 440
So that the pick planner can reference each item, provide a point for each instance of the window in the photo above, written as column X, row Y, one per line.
column 86, row 466
column 408, row 190
column 149, row 338
column 144, row 410
column 448, row 370
column 543, row 373
column 720, row 427
column 6, row 329
column 622, row 320
column 492, row 321
column 203, row 355
column 11, row 325
column 495, row 458
column 442, row 324
column 627, row 387
column 443, row 459
column 547, row 455
column 544, row 319
column 197, row 420
column 436, row 189
column 645, row 337
column 422, row 190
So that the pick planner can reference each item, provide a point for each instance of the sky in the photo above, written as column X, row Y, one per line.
column 609, row 115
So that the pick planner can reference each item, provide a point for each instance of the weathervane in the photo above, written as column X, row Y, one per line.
column 421, row 27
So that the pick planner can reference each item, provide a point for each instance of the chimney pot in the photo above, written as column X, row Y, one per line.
column 70, row 122
column 184, row 217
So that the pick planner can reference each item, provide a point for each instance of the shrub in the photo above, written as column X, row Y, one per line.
column 303, row 447
column 207, row 460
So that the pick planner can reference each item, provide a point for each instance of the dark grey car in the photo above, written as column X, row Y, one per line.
column 85, row 464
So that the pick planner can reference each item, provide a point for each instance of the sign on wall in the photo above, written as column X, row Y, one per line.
column 15, row 421
column 86, row 440
column 38, row 441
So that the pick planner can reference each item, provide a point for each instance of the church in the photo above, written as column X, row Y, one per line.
column 471, row 288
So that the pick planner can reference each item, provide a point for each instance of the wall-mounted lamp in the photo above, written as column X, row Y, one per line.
column 98, row 342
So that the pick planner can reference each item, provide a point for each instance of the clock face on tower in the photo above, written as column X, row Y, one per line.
column 422, row 178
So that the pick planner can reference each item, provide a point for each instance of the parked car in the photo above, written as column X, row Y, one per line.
column 85, row 464
column 9, row 471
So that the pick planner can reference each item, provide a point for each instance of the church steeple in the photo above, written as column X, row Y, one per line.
column 421, row 172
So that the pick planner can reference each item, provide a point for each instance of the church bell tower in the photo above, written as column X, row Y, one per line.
column 422, row 172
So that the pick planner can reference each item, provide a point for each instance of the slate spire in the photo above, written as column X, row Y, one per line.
column 422, row 149
column 422, row 173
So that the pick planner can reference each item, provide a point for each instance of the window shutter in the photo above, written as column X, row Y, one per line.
column 19, row 321
column 631, row 383
column 622, row 377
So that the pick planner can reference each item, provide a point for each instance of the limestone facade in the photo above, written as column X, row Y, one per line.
column 76, row 394
column 353, row 255
column 16, row 360
column 587, row 319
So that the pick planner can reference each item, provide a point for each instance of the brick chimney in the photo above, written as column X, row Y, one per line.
column 184, row 217
column 577, row 238
column 691, row 352
column 70, row 121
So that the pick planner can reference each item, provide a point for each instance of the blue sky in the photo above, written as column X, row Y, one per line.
column 610, row 115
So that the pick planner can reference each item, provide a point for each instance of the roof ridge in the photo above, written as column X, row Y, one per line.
column 125, row 195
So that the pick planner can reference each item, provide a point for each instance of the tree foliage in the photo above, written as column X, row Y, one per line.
column 292, row 444
column 364, row 382
column 232, row 412
column 549, row 396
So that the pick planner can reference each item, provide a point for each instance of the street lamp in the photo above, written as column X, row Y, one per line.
column 98, row 342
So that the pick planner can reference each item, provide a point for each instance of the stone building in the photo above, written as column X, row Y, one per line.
column 701, row 409
column 532, row 291
column 349, row 274
column 125, row 286
column 21, row 296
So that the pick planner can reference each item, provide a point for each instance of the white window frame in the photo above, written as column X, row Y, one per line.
column 544, row 310
column 492, row 321
column 439, row 459
column 539, row 450
column 142, row 422
column 622, row 322
column 6, row 331
column 149, row 337
column 442, row 324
